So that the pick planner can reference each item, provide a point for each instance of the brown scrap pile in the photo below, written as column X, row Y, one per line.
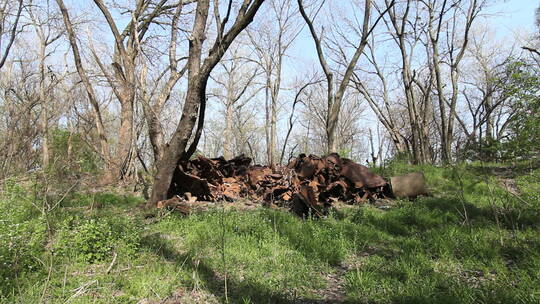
column 308, row 184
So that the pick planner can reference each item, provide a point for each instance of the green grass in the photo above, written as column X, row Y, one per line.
column 472, row 242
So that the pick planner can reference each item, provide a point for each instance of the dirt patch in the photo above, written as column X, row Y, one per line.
column 505, row 176
column 510, row 185
column 335, row 290
column 503, row 172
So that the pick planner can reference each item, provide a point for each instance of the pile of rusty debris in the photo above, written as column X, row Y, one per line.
column 307, row 185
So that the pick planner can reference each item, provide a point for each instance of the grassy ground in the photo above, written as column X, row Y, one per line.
column 476, row 240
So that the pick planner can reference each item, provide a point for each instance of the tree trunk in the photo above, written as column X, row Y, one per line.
column 442, row 103
column 273, row 125
column 195, row 96
column 44, row 124
column 92, row 97
column 154, row 133
column 125, row 137
column 331, row 121
column 489, row 118
column 227, row 138
column 335, row 99
column 196, row 91
column 267, row 125
column 174, row 151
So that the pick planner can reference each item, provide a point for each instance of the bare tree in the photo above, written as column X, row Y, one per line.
column 377, row 93
column 123, row 78
column 19, row 105
column 297, row 101
column 399, row 24
column 198, row 73
column 444, row 20
column 271, row 40
column 405, row 31
column 313, row 120
column 90, row 91
column 486, row 109
column 336, row 88
column 48, row 32
column 9, row 26
column 233, row 91
column 155, row 98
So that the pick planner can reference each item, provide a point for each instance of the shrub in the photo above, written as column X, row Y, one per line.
column 22, row 235
column 71, row 155
column 94, row 240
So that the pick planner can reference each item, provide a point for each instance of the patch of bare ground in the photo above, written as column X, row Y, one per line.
column 335, row 289
column 185, row 296
column 510, row 185
column 505, row 176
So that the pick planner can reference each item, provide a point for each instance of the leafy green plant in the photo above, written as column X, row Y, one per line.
column 94, row 240
column 524, row 126
column 22, row 234
column 71, row 155
column 344, row 152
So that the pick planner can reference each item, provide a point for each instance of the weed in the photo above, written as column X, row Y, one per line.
column 471, row 242
column 95, row 239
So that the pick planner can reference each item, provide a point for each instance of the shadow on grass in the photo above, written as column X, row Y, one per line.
column 323, row 240
column 512, row 215
column 238, row 291
column 431, row 212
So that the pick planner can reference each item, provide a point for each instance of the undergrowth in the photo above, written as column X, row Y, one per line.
column 471, row 242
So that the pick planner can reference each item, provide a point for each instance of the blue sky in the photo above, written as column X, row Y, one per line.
column 515, row 14
column 507, row 17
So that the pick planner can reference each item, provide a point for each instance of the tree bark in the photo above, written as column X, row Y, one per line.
column 448, row 117
column 227, row 138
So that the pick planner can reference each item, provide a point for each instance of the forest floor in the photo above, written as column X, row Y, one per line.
column 476, row 240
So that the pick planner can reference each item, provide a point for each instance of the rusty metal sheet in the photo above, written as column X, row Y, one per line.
column 360, row 176
column 305, row 185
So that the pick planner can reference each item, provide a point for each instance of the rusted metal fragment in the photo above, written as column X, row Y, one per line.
column 334, row 191
column 185, row 182
column 230, row 191
column 175, row 204
column 276, row 193
column 306, row 185
column 360, row 176
column 257, row 174
column 307, row 167
column 305, row 203
column 209, row 169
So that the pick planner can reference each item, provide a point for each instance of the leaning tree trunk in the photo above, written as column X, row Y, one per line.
column 198, row 76
column 174, row 151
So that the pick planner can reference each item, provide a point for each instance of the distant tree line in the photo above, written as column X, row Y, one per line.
column 127, row 89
